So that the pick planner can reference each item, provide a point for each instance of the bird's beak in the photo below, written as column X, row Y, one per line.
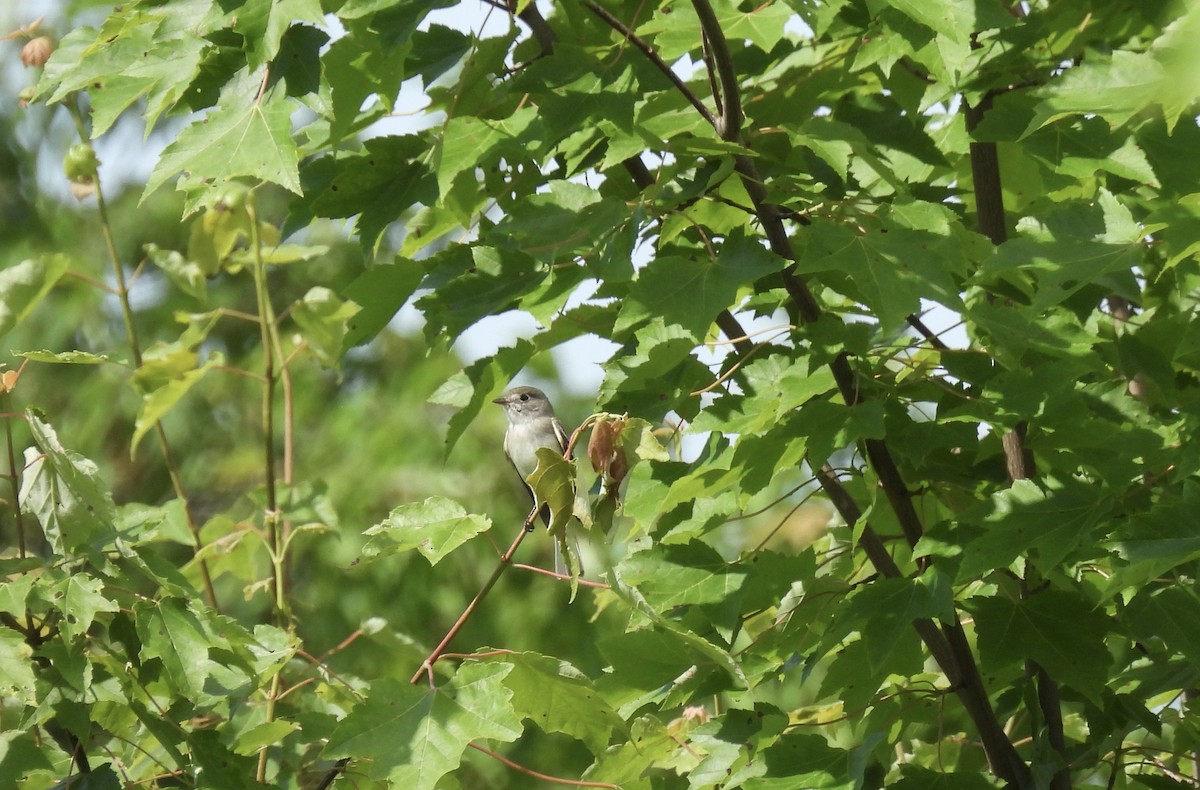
column 499, row 401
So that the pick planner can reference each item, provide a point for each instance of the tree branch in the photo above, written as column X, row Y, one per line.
column 948, row 646
column 538, row 26
column 989, row 209
column 729, row 123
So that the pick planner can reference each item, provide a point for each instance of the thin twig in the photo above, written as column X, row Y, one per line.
column 738, row 363
column 561, row 576
column 537, row 775
column 652, row 56
column 426, row 667
column 122, row 292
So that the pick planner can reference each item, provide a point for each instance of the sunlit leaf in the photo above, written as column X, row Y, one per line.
column 246, row 134
column 434, row 528
column 24, row 285
column 414, row 735
column 65, row 492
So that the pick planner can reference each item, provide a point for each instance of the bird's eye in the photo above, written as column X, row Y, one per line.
column 524, row 396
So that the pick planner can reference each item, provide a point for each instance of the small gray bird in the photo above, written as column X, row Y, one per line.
column 531, row 425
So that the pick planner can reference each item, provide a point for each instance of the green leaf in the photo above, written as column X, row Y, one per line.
column 953, row 19
column 570, row 219
column 24, row 285
column 762, row 25
column 553, row 484
column 883, row 612
column 733, row 740
column 776, row 385
column 1051, row 519
column 14, row 592
column 218, row 765
column 67, row 357
column 137, row 522
column 279, row 255
column 702, row 650
column 21, row 752
column 914, row 777
column 679, row 575
column 171, row 631
column 140, row 52
column 16, row 667
column 1115, row 87
column 468, row 142
column 414, row 735
column 324, row 320
column 801, row 760
column 157, row 402
column 379, row 292
column 1059, row 630
column 659, row 375
column 472, row 283
column 1060, row 268
column 378, row 185
column 262, row 736
column 246, row 134
column 65, row 492
column 890, row 265
column 1166, row 614
column 80, row 598
column 559, row 698
column 1154, row 542
column 263, row 24
column 649, row 744
column 689, row 292
column 435, row 527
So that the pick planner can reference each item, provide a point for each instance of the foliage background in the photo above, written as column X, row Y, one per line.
column 991, row 582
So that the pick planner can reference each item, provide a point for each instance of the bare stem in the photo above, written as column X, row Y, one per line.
column 269, row 345
column 538, row 775
column 426, row 668
column 12, row 477
column 271, row 518
column 122, row 293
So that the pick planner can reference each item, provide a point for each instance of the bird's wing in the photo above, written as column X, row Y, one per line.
column 561, row 434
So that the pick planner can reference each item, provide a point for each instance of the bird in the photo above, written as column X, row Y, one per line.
column 532, row 425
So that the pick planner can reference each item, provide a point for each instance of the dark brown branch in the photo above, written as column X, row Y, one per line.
column 1051, row 706
column 930, row 336
column 734, row 332
column 539, row 27
column 948, row 645
column 729, row 124
column 989, row 210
